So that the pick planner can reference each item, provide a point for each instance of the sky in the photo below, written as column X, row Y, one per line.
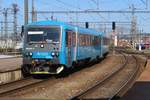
column 143, row 20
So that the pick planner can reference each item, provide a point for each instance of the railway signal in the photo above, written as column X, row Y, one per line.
column 113, row 25
column 86, row 24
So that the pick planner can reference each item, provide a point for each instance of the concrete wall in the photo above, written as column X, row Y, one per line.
column 10, row 76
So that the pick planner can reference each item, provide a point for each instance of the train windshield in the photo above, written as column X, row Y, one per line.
column 43, row 35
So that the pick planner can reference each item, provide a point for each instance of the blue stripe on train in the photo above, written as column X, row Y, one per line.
column 43, row 55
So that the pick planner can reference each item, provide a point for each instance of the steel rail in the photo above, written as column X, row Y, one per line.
column 99, row 83
column 12, row 70
column 113, row 97
column 12, row 82
column 14, row 89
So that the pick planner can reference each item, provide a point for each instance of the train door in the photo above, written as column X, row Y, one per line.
column 100, row 45
column 69, row 45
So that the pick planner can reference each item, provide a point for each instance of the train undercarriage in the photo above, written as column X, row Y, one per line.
column 43, row 67
column 38, row 69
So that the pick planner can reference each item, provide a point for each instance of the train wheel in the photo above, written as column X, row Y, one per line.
column 98, row 59
column 105, row 55
column 25, row 71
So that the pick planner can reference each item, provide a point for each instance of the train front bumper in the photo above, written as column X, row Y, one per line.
column 47, row 70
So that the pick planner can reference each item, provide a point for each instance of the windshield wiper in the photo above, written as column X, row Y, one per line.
column 56, row 42
column 33, row 42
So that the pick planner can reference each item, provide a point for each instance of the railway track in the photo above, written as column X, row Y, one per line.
column 12, row 87
column 134, row 52
column 100, row 90
column 12, row 70
column 123, row 88
column 10, row 76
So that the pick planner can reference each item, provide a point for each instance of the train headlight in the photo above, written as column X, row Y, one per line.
column 30, row 53
column 42, row 46
column 53, row 54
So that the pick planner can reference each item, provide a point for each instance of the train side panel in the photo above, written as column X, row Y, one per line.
column 88, row 50
column 104, row 45
column 75, row 50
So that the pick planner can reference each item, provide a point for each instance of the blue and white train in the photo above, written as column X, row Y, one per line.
column 51, row 47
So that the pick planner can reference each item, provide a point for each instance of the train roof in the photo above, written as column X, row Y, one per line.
column 46, row 23
column 58, row 23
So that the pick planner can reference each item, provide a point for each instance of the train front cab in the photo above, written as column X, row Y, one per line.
column 42, row 54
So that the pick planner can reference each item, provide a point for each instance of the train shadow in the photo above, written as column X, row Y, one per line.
column 70, row 71
column 139, row 91
column 42, row 76
column 83, row 66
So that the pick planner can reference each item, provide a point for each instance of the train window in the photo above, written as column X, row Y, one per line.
column 80, row 40
column 68, row 38
column 105, row 41
column 71, row 38
column 83, row 40
column 86, row 40
column 42, row 34
column 74, row 39
column 93, row 40
column 97, row 40
column 90, row 40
